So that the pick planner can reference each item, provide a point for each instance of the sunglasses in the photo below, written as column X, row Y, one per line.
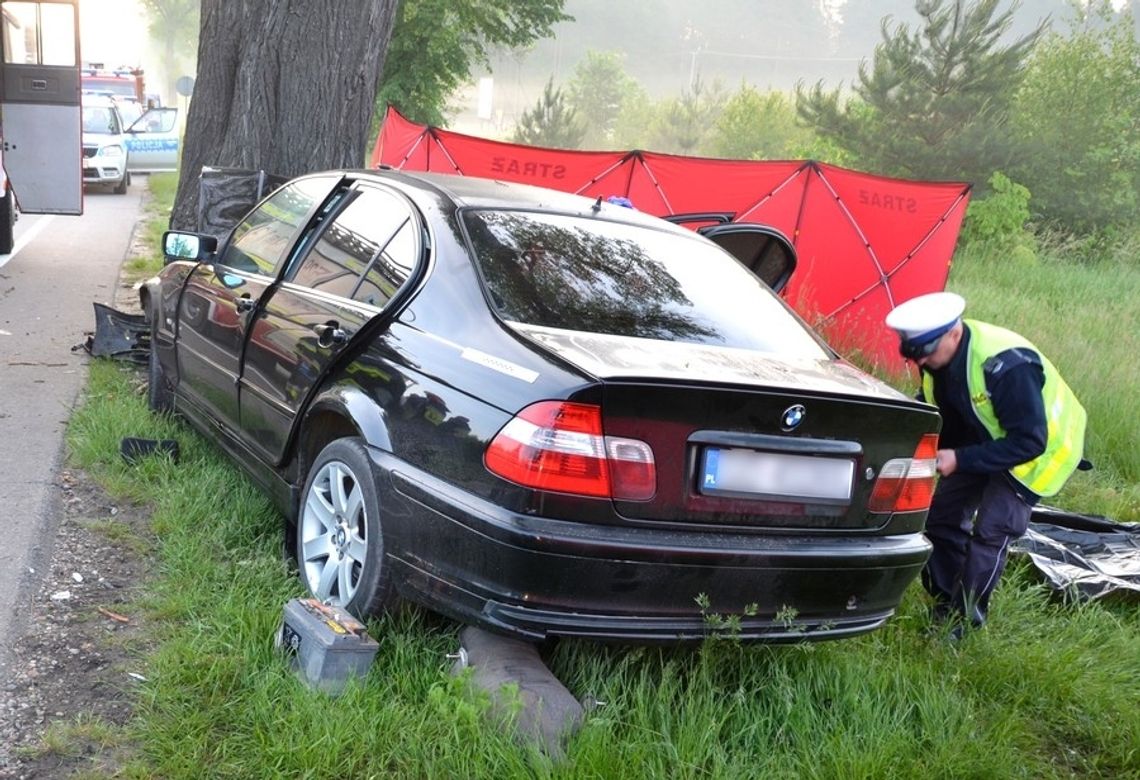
column 912, row 351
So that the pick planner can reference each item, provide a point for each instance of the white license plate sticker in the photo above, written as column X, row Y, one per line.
column 776, row 475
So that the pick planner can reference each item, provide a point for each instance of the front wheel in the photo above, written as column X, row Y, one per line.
column 340, row 543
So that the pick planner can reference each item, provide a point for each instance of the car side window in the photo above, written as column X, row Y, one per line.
column 390, row 268
column 260, row 242
column 367, row 252
column 155, row 120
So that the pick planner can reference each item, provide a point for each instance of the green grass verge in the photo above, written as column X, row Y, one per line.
column 145, row 262
column 1049, row 690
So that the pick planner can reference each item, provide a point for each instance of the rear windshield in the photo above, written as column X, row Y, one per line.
column 572, row 273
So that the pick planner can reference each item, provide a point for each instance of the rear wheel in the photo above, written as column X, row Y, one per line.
column 340, row 544
column 159, row 394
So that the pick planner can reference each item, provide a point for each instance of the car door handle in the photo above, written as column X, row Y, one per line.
column 330, row 334
column 244, row 304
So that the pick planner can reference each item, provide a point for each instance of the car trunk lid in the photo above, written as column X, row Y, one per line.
column 743, row 439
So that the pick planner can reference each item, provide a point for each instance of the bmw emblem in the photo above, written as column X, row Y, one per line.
column 793, row 416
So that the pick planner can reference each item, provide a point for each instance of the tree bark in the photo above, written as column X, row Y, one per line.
column 284, row 86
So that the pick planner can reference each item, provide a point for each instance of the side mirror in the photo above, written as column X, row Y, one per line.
column 177, row 245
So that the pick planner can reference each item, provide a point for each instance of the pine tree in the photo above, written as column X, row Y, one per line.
column 934, row 102
column 551, row 122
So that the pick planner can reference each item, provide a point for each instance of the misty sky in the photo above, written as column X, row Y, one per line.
column 664, row 44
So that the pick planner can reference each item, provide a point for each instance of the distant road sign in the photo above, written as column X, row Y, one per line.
column 184, row 85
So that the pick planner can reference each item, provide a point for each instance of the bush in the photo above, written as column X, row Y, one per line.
column 1076, row 123
column 998, row 221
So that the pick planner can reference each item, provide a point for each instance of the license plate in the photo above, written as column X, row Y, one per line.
column 775, row 475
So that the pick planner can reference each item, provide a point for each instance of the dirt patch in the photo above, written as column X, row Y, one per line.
column 74, row 670
column 78, row 660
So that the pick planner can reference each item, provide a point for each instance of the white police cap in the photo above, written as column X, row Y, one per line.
column 927, row 316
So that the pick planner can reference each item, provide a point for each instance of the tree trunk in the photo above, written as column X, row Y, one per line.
column 284, row 86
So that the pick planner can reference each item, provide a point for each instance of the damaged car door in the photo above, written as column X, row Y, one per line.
column 363, row 254
column 221, row 298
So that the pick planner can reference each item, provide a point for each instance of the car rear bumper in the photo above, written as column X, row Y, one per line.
column 537, row 577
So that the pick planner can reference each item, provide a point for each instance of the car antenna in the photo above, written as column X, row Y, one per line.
column 597, row 204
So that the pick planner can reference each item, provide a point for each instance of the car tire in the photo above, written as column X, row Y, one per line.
column 340, row 542
column 7, row 223
column 159, row 393
column 121, row 187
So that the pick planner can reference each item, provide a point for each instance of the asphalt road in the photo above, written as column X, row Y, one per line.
column 58, row 268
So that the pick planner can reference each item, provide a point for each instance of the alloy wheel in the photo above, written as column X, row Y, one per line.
column 334, row 534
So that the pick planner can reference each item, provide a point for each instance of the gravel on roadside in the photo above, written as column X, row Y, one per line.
column 79, row 658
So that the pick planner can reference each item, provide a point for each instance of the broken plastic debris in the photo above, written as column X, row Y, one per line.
column 137, row 676
column 61, row 595
column 133, row 448
column 118, row 335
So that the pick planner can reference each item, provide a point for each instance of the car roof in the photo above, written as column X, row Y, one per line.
column 476, row 192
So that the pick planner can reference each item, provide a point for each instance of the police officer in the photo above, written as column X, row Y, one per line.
column 1012, row 432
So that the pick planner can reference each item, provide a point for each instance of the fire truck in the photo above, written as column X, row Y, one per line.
column 125, row 83
column 41, row 139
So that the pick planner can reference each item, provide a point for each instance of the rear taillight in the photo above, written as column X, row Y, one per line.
column 907, row 484
column 560, row 447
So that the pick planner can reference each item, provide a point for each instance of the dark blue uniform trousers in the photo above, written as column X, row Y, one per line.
column 972, row 520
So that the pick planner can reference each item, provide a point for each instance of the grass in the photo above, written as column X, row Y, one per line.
column 161, row 188
column 1049, row 691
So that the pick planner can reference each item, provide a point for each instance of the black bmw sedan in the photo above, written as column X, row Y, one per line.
column 543, row 414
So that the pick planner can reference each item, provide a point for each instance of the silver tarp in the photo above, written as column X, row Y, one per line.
column 1088, row 556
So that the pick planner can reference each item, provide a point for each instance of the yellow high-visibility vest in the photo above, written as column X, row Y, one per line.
column 1064, row 416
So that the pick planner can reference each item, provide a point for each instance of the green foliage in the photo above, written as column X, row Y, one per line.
column 824, row 149
column 1078, row 114
column 998, row 220
column 174, row 21
column 638, row 113
column 173, row 24
column 684, row 124
column 436, row 43
column 935, row 100
column 551, row 122
column 598, row 91
column 758, row 125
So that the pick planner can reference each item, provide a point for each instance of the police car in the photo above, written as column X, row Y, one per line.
column 104, row 144
column 153, row 141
